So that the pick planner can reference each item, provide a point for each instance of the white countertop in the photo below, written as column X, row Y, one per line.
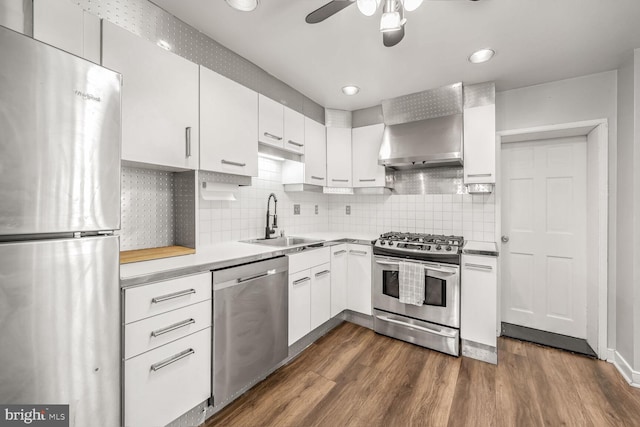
column 207, row 256
column 480, row 248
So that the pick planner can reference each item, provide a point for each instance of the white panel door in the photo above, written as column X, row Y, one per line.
column 359, row 279
column 270, row 122
column 293, row 130
column 339, row 270
column 366, row 142
column 315, row 155
column 338, row 157
column 544, row 216
column 320, row 295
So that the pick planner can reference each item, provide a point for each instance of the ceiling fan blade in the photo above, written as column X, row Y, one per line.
column 327, row 10
column 392, row 38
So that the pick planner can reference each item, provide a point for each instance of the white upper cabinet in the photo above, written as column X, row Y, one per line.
column 480, row 145
column 271, row 122
column 366, row 142
column 159, row 100
column 315, row 157
column 339, row 157
column 66, row 26
column 228, row 125
column 293, row 130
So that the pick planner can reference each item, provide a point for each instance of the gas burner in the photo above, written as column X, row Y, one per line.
column 419, row 245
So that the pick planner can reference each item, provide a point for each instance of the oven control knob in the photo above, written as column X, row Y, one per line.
column 449, row 248
column 428, row 247
column 381, row 242
column 438, row 248
column 390, row 243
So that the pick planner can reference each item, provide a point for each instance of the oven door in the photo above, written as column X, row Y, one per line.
column 442, row 291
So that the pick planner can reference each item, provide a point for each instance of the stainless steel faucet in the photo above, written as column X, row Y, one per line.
column 271, row 230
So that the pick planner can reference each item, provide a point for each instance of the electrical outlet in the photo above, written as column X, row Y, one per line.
column 316, row 209
column 348, row 210
column 296, row 209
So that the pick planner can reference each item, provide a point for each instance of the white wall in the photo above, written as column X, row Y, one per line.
column 583, row 98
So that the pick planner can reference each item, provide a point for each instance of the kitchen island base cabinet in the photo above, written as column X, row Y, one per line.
column 478, row 317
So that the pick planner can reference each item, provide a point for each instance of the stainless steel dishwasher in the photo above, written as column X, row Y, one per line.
column 250, row 325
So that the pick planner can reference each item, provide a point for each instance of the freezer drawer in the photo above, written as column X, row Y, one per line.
column 159, row 297
column 60, row 326
column 163, row 384
column 60, row 140
column 147, row 334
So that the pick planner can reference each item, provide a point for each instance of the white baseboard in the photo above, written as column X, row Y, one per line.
column 630, row 376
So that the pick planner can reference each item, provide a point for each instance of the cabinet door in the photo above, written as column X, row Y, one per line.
column 315, row 157
column 228, row 125
column 293, row 130
column 339, row 270
column 320, row 295
column 480, row 145
column 271, row 122
column 159, row 100
column 338, row 157
column 366, row 142
column 478, row 302
column 66, row 26
column 359, row 279
column 299, row 305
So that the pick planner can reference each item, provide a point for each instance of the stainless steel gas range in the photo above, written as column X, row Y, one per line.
column 436, row 323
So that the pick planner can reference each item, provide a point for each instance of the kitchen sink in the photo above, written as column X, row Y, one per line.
column 284, row 241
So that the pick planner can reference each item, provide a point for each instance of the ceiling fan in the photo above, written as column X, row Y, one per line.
column 392, row 20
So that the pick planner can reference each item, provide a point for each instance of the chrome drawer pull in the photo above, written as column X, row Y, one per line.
column 173, row 296
column 297, row 144
column 172, row 359
column 479, row 266
column 358, row 252
column 368, row 180
column 229, row 162
column 419, row 328
column 339, row 180
column 304, row 279
column 272, row 136
column 173, row 327
column 188, row 141
column 478, row 175
column 317, row 177
column 340, row 252
column 323, row 273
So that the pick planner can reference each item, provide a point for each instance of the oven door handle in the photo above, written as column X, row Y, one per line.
column 420, row 328
column 426, row 267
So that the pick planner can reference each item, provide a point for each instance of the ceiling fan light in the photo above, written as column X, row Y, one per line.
column 368, row 7
column 391, row 21
column 243, row 5
column 411, row 5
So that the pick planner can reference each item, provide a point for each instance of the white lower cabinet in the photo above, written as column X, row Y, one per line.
column 309, row 291
column 359, row 278
column 339, row 272
column 167, row 349
column 165, row 383
column 478, row 303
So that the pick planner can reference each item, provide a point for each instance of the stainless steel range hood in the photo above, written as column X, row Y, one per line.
column 423, row 129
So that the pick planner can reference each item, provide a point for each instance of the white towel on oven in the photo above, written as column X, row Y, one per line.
column 411, row 280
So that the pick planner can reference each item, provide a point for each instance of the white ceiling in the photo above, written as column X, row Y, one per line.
column 536, row 41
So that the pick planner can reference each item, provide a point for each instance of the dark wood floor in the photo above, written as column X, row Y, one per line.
column 354, row 377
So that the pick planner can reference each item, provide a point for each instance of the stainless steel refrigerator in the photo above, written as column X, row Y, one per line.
column 59, row 206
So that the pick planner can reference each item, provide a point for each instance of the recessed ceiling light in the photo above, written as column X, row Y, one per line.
column 243, row 5
column 164, row 44
column 350, row 90
column 482, row 55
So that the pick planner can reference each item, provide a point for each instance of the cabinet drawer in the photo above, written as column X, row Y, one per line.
column 163, row 384
column 308, row 258
column 147, row 334
column 160, row 297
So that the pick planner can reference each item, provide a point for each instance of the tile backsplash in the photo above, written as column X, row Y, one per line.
column 472, row 216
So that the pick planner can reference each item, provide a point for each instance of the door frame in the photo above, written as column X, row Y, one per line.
column 597, row 134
